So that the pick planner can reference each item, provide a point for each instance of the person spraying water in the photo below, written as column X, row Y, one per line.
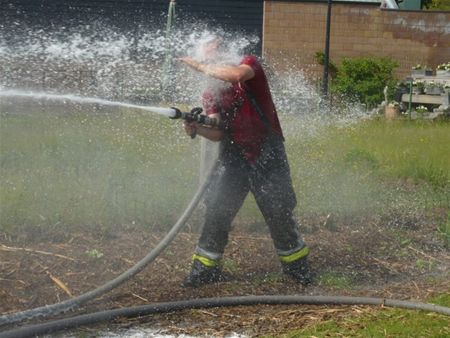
column 253, row 159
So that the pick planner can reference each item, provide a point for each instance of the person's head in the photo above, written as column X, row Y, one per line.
column 212, row 48
column 219, row 47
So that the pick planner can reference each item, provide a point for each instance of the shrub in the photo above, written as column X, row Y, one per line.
column 320, row 59
column 436, row 5
column 364, row 79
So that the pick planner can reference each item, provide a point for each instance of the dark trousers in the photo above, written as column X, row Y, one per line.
column 268, row 180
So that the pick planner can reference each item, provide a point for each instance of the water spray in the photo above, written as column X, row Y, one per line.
column 195, row 115
column 167, row 70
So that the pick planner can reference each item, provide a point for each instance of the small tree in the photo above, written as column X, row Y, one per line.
column 364, row 79
column 320, row 59
column 436, row 5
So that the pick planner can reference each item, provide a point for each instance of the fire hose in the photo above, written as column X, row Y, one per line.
column 145, row 310
column 70, row 304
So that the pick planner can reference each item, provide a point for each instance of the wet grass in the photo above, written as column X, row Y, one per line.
column 444, row 231
column 404, row 149
column 373, row 167
column 335, row 281
column 93, row 169
column 387, row 322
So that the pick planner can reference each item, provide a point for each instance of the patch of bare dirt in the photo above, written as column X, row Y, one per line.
column 370, row 259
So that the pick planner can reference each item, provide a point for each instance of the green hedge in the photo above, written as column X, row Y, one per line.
column 364, row 79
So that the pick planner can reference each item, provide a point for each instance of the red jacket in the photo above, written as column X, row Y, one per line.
column 238, row 113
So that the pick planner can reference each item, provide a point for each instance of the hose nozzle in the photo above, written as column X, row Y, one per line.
column 195, row 116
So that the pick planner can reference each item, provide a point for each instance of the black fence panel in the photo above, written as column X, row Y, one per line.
column 19, row 16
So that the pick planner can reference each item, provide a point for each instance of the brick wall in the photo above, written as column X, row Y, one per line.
column 295, row 31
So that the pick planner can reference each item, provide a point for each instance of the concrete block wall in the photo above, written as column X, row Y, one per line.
column 294, row 31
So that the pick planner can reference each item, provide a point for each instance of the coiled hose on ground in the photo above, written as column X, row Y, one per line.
column 54, row 309
column 144, row 310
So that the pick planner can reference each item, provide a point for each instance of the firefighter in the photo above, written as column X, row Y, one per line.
column 252, row 159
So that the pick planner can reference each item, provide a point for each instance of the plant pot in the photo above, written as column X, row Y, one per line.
column 434, row 90
column 442, row 72
column 446, row 98
column 391, row 112
column 417, row 90
column 421, row 72
column 421, row 115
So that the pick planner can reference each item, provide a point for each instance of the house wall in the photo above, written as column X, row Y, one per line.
column 294, row 31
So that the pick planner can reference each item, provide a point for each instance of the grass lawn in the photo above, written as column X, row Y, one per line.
column 98, row 169
column 387, row 322
column 63, row 169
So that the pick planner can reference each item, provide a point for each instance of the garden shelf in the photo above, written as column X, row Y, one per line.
column 424, row 98
column 432, row 99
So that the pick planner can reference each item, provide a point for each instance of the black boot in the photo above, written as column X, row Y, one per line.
column 201, row 274
column 299, row 270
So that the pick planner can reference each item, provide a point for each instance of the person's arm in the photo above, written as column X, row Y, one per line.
column 226, row 73
column 211, row 133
